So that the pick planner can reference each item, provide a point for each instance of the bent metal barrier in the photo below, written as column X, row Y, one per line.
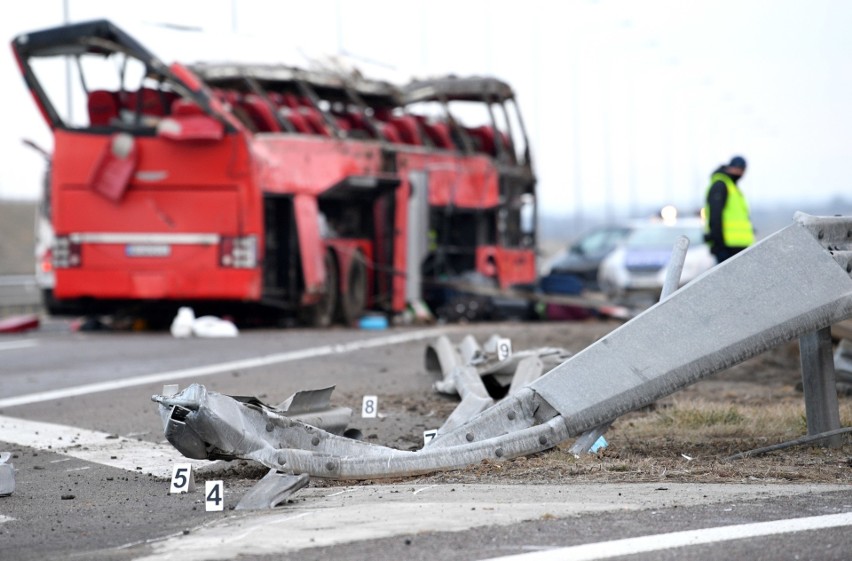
column 792, row 283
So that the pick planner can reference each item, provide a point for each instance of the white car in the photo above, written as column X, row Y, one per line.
column 636, row 270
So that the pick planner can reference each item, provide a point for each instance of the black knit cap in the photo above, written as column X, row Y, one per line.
column 737, row 162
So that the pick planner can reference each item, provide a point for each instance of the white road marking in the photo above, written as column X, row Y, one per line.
column 94, row 446
column 5, row 518
column 644, row 544
column 22, row 344
column 383, row 511
column 218, row 368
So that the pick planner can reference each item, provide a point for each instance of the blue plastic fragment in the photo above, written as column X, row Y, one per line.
column 373, row 322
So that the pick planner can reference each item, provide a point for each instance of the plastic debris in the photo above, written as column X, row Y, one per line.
column 374, row 321
column 19, row 324
column 182, row 324
column 599, row 444
column 211, row 326
column 185, row 324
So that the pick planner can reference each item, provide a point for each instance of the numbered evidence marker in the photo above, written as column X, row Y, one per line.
column 183, row 480
column 428, row 435
column 214, row 495
column 370, row 407
column 504, row 349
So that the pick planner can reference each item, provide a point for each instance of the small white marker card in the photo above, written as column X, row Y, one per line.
column 214, row 495
column 370, row 406
column 504, row 349
column 428, row 435
column 183, row 480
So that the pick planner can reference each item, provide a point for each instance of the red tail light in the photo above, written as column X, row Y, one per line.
column 67, row 254
column 238, row 252
column 46, row 263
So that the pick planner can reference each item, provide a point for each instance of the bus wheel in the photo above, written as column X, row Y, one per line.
column 353, row 299
column 321, row 314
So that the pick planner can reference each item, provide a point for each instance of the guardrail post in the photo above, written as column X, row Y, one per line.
column 819, row 384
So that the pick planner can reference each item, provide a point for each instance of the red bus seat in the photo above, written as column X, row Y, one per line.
column 313, row 117
column 390, row 134
column 439, row 134
column 154, row 102
column 103, row 107
column 186, row 107
column 260, row 113
column 483, row 139
column 406, row 127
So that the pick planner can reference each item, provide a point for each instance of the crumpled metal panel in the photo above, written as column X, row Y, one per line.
column 271, row 491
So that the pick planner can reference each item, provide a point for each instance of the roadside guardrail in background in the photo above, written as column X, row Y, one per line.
column 19, row 294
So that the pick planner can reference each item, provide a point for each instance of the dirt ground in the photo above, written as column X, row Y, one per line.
column 685, row 437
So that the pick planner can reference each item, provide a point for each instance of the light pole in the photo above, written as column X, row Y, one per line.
column 65, row 20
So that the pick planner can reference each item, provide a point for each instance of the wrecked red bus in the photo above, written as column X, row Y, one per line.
column 233, row 187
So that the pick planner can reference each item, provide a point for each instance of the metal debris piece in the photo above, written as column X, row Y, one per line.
column 7, row 474
column 442, row 359
column 809, row 439
column 793, row 282
column 271, row 491
column 195, row 420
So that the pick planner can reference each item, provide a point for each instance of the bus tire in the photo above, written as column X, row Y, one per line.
column 353, row 298
column 321, row 314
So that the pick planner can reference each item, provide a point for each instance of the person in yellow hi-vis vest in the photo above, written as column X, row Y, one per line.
column 728, row 227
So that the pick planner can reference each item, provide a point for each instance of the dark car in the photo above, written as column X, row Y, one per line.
column 583, row 258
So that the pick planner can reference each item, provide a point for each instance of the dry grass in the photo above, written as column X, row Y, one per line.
column 686, row 441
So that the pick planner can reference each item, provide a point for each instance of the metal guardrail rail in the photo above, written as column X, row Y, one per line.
column 19, row 294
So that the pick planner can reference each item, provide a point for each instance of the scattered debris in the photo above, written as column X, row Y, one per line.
column 19, row 324
column 508, row 374
column 373, row 321
column 271, row 491
column 811, row 438
column 204, row 424
column 7, row 475
column 671, row 345
column 185, row 324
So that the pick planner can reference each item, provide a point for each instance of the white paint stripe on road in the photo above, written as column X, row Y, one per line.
column 384, row 511
column 22, row 344
column 211, row 369
column 5, row 518
column 94, row 446
column 645, row 544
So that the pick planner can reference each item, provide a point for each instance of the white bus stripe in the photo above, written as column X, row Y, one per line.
column 211, row 369
column 644, row 544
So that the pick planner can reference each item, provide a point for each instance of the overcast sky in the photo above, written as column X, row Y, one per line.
column 628, row 103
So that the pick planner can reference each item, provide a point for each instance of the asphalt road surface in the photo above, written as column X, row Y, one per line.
column 93, row 469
